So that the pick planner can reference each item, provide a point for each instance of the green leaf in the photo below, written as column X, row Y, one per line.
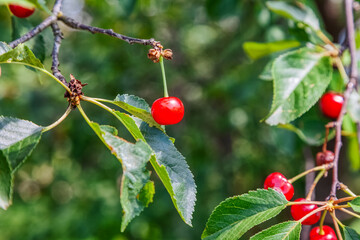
column 257, row 50
column 300, row 14
column 300, row 78
column 172, row 169
column 168, row 163
column 350, row 234
column 283, row 231
column 266, row 74
column 136, row 189
column 236, row 215
column 6, row 184
column 18, row 138
column 355, row 204
column 21, row 54
column 137, row 107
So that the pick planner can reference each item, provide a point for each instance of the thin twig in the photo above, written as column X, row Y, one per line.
column 57, row 122
column 36, row 30
column 76, row 25
column 349, row 88
column 336, row 225
column 55, row 52
column 350, row 212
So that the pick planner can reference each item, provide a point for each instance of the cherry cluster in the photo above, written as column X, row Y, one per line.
column 280, row 183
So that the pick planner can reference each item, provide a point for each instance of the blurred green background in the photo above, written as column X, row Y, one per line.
column 69, row 187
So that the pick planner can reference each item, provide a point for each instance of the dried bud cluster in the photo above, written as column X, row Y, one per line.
column 76, row 91
column 156, row 52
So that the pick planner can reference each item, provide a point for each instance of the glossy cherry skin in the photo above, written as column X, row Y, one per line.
column 167, row 110
column 331, row 103
column 278, row 182
column 20, row 11
column 329, row 233
column 324, row 157
column 299, row 211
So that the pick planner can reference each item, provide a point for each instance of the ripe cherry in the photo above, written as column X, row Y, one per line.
column 20, row 11
column 300, row 211
column 167, row 110
column 331, row 103
column 327, row 234
column 278, row 182
column 324, row 157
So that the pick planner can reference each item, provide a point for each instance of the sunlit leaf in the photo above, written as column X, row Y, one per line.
column 282, row 231
column 300, row 78
column 257, row 50
column 235, row 216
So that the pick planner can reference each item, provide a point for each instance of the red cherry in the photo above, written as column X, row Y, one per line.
column 331, row 103
column 278, row 182
column 328, row 233
column 324, row 157
column 20, row 11
column 167, row 110
column 300, row 211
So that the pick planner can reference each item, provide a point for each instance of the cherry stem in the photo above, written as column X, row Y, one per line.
column 336, row 225
column 325, row 139
column 341, row 69
column 306, row 203
column 312, row 213
column 345, row 189
column 322, row 219
column 349, row 212
column 161, row 60
column 57, row 122
column 318, row 177
column 325, row 39
column 344, row 199
column 318, row 168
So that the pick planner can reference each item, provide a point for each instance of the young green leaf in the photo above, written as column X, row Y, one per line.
column 355, row 204
column 300, row 78
column 349, row 233
column 257, row 50
column 283, row 231
column 300, row 14
column 137, row 107
column 18, row 138
column 136, row 188
column 172, row 169
column 235, row 216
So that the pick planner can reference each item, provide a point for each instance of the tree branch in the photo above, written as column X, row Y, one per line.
column 38, row 29
column 57, row 7
column 349, row 88
column 55, row 52
column 76, row 25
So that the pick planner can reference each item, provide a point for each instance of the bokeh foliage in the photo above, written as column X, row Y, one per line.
column 69, row 187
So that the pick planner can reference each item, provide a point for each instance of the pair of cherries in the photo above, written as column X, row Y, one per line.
column 20, row 11
column 280, row 183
